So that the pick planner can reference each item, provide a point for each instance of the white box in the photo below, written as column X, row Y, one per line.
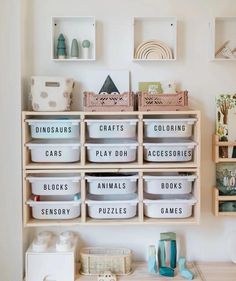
column 168, row 183
column 54, row 128
column 45, row 261
column 51, row 93
column 112, row 207
column 163, row 206
column 54, row 184
column 50, row 208
column 54, row 150
column 115, row 128
column 102, row 184
column 168, row 127
column 166, row 151
column 111, row 151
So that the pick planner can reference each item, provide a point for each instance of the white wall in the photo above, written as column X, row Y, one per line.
column 10, row 148
column 202, row 78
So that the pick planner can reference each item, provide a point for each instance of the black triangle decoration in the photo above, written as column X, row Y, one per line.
column 109, row 86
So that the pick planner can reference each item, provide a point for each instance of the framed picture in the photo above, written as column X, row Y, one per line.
column 226, row 123
column 226, row 178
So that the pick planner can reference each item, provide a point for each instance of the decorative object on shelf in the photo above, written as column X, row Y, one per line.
column 154, row 102
column 74, row 53
column 225, row 123
column 153, row 50
column 184, row 271
column 166, row 271
column 226, row 178
column 225, row 52
column 51, row 93
column 167, row 250
column 96, row 260
column 86, row 47
column 61, row 47
column 109, row 87
column 169, row 87
column 152, row 263
column 108, row 102
column 150, row 87
column 48, row 253
column 107, row 276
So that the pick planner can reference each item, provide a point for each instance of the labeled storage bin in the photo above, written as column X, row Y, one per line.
column 167, row 151
column 54, row 184
column 54, row 150
column 169, row 127
column 112, row 128
column 112, row 206
column 54, row 128
column 100, row 184
column 164, row 206
column 51, row 93
column 96, row 260
column 112, row 151
column 168, row 183
column 51, row 208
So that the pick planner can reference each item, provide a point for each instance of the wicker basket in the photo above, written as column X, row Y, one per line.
column 108, row 102
column 155, row 102
column 98, row 260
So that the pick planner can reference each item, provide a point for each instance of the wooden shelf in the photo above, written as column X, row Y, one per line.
column 84, row 167
column 216, row 144
column 220, row 198
column 140, row 273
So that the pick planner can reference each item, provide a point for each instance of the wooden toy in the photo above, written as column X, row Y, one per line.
column 167, row 271
column 184, row 272
column 152, row 264
column 61, row 47
column 74, row 49
column 86, row 45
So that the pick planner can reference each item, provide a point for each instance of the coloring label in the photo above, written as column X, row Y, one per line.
column 169, row 128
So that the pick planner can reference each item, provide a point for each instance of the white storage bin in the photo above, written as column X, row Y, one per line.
column 168, row 183
column 112, row 207
column 54, row 129
column 51, row 93
column 168, row 127
column 115, row 128
column 163, row 206
column 166, row 151
column 48, row 208
column 111, row 151
column 54, row 150
column 54, row 184
column 111, row 183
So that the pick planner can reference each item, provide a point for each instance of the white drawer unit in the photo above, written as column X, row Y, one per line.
column 54, row 128
column 54, row 150
column 169, row 127
column 168, row 183
column 111, row 128
column 112, row 206
column 55, row 184
column 112, row 151
column 46, row 255
column 52, row 207
column 119, row 183
column 163, row 206
column 168, row 151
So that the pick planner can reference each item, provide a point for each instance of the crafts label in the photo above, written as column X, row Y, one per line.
column 111, row 128
column 55, row 211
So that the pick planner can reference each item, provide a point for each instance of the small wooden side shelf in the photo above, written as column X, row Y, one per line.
column 221, row 198
column 216, row 144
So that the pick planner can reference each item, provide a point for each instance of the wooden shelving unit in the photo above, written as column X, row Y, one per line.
column 216, row 144
column 84, row 167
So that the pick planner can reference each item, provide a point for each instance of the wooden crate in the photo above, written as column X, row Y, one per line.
column 152, row 102
column 108, row 102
